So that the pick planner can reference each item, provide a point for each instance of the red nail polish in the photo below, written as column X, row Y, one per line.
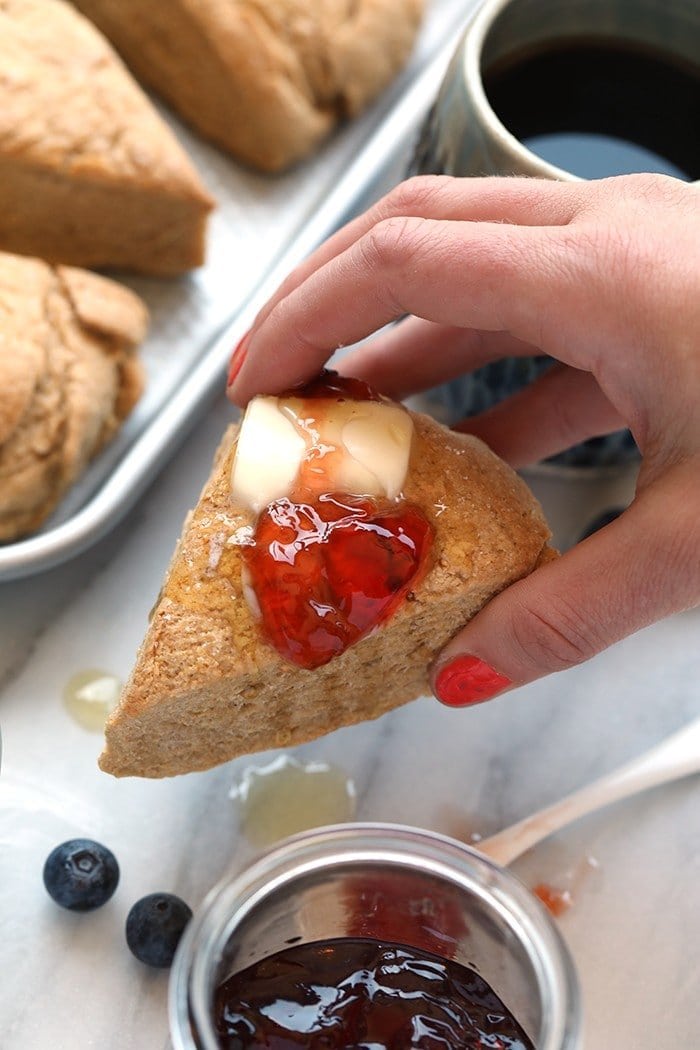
column 237, row 358
column 468, row 680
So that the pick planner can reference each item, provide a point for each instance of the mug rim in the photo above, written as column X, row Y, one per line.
column 336, row 847
column 472, row 51
column 471, row 66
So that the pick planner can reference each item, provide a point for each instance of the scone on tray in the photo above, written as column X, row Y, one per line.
column 265, row 79
column 221, row 673
column 69, row 376
column 90, row 174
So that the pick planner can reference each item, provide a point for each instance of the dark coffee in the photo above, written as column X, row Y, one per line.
column 596, row 108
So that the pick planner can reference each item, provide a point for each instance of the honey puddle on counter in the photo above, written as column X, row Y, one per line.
column 90, row 696
column 287, row 796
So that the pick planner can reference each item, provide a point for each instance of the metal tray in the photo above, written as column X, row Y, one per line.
column 262, row 228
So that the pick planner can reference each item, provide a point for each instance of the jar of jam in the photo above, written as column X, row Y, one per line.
column 373, row 935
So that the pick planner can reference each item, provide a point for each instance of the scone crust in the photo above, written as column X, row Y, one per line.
column 89, row 172
column 265, row 79
column 68, row 378
column 207, row 687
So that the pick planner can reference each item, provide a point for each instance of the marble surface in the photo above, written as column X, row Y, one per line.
column 69, row 981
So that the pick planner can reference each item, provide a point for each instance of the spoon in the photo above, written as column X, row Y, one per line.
column 677, row 756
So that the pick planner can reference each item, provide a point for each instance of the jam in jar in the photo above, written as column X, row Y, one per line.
column 362, row 993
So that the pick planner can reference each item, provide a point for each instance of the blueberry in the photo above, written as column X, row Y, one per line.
column 81, row 874
column 606, row 518
column 154, row 927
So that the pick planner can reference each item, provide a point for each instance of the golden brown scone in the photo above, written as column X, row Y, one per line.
column 265, row 79
column 68, row 377
column 207, row 687
column 89, row 173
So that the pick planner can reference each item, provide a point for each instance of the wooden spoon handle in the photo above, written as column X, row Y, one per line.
column 677, row 756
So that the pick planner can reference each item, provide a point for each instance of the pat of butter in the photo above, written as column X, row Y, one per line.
column 269, row 453
column 359, row 448
column 378, row 438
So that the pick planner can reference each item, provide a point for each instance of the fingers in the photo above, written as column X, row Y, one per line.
column 642, row 567
column 490, row 276
column 526, row 202
column 416, row 354
column 559, row 409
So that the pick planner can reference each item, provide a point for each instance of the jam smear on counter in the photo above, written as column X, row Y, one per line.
column 556, row 901
column 328, row 567
column 362, row 993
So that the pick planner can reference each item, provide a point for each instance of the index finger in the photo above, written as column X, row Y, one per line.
column 528, row 281
column 516, row 200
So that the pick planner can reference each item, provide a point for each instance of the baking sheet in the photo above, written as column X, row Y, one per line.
column 262, row 227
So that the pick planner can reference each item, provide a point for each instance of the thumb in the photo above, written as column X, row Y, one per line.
column 642, row 567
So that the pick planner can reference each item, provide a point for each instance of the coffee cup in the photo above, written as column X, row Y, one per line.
column 605, row 72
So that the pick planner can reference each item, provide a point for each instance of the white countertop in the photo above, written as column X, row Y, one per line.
column 68, row 980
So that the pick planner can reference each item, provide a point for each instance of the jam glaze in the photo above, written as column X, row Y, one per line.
column 327, row 566
column 362, row 993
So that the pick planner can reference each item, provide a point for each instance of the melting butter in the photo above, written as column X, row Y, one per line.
column 268, row 455
column 360, row 448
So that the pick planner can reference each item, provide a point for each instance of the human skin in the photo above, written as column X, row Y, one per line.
column 603, row 276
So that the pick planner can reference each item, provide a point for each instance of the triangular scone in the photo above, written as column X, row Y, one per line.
column 89, row 173
column 265, row 79
column 207, row 687
column 68, row 378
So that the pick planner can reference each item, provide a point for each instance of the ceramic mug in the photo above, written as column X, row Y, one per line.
column 463, row 135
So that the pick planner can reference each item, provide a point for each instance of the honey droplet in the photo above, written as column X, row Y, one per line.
column 287, row 796
column 90, row 696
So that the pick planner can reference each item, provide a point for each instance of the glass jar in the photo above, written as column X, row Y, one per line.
column 393, row 883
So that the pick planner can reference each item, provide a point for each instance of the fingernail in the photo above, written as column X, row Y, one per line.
column 468, row 680
column 237, row 358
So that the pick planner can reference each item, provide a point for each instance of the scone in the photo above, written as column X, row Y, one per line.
column 336, row 547
column 265, row 79
column 68, row 377
column 89, row 173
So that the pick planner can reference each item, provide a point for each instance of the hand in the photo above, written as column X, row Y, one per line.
column 602, row 276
